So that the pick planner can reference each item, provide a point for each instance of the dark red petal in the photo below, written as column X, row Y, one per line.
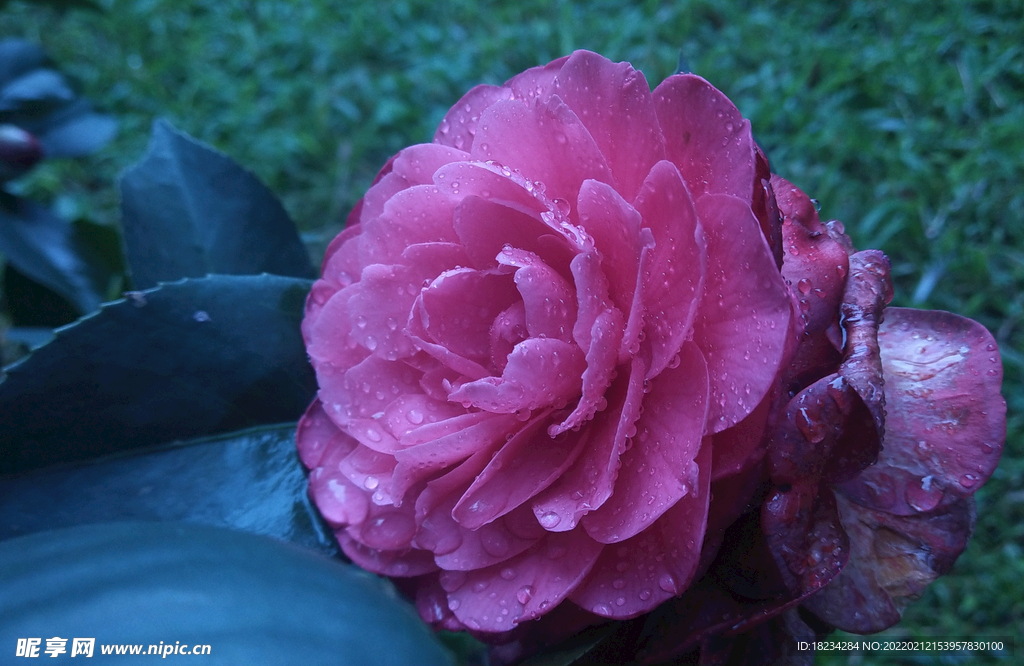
column 660, row 468
column 635, row 576
column 946, row 420
column 498, row 597
column 459, row 125
column 706, row 137
column 674, row 270
column 766, row 206
column 743, row 319
column 815, row 265
column 545, row 141
column 868, row 290
column 614, row 102
column 805, row 536
column 894, row 559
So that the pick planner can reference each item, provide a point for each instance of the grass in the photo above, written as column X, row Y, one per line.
column 904, row 119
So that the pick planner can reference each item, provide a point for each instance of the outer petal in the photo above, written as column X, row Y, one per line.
column 743, row 319
column 498, row 597
column 660, row 468
column 815, row 264
column 459, row 125
column 673, row 271
column 536, row 82
column 706, row 137
column 313, row 434
column 614, row 102
column 657, row 564
column 413, row 166
column 403, row 562
column 893, row 560
column 946, row 419
column 420, row 214
column 545, row 141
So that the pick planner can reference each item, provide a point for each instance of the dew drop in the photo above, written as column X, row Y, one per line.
column 549, row 520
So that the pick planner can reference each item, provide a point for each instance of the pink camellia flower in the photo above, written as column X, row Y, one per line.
column 573, row 350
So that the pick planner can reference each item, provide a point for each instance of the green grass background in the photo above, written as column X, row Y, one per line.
column 904, row 119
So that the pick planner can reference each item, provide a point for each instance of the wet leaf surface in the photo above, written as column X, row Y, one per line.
column 251, row 599
column 184, row 360
column 190, row 210
column 250, row 481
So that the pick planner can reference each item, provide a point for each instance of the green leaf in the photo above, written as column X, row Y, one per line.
column 251, row 599
column 250, row 481
column 189, row 210
column 47, row 249
column 184, row 360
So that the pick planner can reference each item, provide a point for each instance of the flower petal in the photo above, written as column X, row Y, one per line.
column 893, row 560
column 945, row 417
column 743, row 319
column 550, row 304
column 815, row 264
column 614, row 101
column 460, row 124
column 588, row 483
column 540, row 372
column 399, row 563
column 660, row 468
column 314, row 432
column 545, row 141
column 657, row 564
column 446, row 443
column 706, row 137
column 615, row 227
column 498, row 597
column 460, row 306
column 420, row 214
column 673, row 271
column 527, row 464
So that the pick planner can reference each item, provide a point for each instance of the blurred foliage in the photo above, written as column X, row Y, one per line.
column 904, row 119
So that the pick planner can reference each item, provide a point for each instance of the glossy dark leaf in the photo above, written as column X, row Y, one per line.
column 184, row 360
column 190, row 210
column 47, row 249
column 251, row 599
column 250, row 480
